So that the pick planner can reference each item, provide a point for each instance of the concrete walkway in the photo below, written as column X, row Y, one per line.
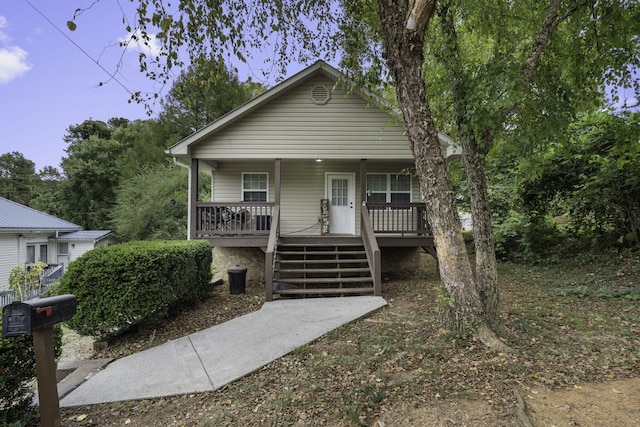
column 214, row 357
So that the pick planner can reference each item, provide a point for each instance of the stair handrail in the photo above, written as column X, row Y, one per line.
column 371, row 248
column 272, row 245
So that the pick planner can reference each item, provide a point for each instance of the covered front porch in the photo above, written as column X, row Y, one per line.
column 263, row 224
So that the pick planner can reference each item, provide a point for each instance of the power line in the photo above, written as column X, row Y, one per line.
column 112, row 76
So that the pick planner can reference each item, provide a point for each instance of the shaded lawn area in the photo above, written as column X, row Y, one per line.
column 567, row 324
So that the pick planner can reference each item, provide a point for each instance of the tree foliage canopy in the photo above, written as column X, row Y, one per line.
column 152, row 204
column 207, row 90
column 17, row 177
column 593, row 177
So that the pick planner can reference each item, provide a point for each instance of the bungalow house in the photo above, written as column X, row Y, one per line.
column 72, row 245
column 28, row 236
column 318, row 176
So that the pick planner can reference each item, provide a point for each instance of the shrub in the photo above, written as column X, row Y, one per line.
column 17, row 370
column 126, row 285
column 526, row 237
column 26, row 279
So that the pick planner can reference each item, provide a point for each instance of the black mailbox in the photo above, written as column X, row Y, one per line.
column 24, row 317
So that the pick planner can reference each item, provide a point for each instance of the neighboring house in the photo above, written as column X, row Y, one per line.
column 28, row 236
column 320, row 177
column 72, row 245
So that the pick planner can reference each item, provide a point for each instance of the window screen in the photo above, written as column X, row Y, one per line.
column 255, row 187
column 385, row 188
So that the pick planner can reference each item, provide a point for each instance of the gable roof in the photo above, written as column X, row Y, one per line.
column 94, row 235
column 182, row 148
column 14, row 216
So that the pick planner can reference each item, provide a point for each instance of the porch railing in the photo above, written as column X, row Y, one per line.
column 7, row 297
column 52, row 274
column 398, row 218
column 270, row 254
column 372, row 249
column 240, row 218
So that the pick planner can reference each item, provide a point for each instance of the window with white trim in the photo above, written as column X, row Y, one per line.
column 63, row 248
column 388, row 188
column 255, row 186
column 31, row 254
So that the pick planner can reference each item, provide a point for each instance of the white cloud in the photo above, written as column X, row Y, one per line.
column 134, row 42
column 13, row 63
column 13, row 59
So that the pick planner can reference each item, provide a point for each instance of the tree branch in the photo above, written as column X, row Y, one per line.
column 549, row 25
column 420, row 14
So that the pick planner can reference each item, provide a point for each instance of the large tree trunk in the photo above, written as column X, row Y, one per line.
column 486, row 265
column 473, row 157
column 403, row 49
column 477, row 146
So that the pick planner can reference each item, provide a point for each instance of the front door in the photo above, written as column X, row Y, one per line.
column 341, row 195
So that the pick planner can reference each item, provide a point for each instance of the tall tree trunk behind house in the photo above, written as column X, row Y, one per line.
column 404, row 56
column 486, row 265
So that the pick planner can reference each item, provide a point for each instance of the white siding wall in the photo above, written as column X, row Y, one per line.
column 303, row 186
column 79, row 247
column 107, row 241
column 13, row 251
column 8, row 258
column 293, row 127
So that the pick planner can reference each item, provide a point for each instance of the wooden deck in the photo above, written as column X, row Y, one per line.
column 317, row 264
column 249, row 224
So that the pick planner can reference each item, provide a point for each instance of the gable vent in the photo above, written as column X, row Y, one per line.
column 320, row 95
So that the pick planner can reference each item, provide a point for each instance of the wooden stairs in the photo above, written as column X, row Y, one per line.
column 321, row 266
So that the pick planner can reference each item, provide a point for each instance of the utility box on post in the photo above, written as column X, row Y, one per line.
column 25, row 317
column 36, row 317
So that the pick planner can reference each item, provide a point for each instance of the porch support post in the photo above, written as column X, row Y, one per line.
column 277, row 181
column 193, row 198
column 363, row 180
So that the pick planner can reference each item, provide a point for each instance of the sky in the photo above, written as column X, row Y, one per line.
column 48, row 84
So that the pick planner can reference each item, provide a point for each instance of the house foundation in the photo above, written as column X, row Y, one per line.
column 394, row 260
column 252, row 258
column 400, row 260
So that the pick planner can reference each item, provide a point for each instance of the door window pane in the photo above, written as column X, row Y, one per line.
column 339, row 192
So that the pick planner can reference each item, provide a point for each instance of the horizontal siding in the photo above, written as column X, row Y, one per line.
column 8, row 258
column 303, row 186
column 292, row 126
column 77, row 249
column 227, row 180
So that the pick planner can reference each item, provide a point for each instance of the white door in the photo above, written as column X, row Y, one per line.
column 341, row 195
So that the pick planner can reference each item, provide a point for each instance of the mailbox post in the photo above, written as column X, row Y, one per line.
column 37, row 317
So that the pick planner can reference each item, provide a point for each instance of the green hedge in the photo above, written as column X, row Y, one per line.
column 17, row 370
column 125, row 285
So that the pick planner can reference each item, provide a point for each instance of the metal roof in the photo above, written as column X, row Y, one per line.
column 85, row 235
column 14, row 216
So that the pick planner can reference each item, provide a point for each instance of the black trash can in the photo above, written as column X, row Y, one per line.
column 237, row 279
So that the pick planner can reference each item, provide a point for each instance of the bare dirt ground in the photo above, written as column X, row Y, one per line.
column 574, row 334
